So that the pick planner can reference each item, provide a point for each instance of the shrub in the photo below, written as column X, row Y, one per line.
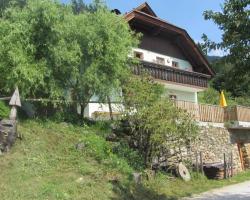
column 157, row 126
column 4, row 110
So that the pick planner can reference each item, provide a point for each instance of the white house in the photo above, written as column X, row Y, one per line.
column 170, row 56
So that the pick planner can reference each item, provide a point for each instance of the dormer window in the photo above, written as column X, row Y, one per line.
column 138, row 55
column 160, row 61
column 175, row 64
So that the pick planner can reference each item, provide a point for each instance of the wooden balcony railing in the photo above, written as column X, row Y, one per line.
column 213, row 113
column 172, row 74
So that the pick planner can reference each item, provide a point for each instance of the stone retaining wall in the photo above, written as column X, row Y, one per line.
column 213, row 142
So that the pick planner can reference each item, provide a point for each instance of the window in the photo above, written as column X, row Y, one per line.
column 138, row 55
column 175, row 64
column 160, row 60
column 173, row 97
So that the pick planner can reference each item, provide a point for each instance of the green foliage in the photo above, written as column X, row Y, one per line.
column 234, row 21
column 138, row 89
column 157, row 125
column 212, row 96
column 209, row 96
column 34, row 46
column 243, row 100
column 132, row 156
column 78, row 6
column 53, row 53
column 230, row 80
column 4, row 4
column 105, row 40
column 4, row 110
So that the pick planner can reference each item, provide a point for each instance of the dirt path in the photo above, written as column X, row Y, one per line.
column 239, row 191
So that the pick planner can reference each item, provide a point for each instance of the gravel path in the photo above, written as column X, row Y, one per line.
column 239, row 191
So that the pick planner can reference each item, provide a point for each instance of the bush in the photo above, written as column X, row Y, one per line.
column 4, row 110
column 209, row 96
column 157, row 126
column 212, row 96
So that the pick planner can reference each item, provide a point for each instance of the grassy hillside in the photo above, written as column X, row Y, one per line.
column 46, row 165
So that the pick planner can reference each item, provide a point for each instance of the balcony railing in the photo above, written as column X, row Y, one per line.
column 172, row 74
column 215, row 114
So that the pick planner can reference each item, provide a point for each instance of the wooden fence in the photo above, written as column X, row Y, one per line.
column 238, row 113
column 213, row 113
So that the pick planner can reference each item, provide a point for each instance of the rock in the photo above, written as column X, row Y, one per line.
column 137, row 178
column 80, row 146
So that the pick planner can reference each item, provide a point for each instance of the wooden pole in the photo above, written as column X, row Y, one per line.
column 110, row 109
column 231, row 164
column 201, row 163
column 225, row 166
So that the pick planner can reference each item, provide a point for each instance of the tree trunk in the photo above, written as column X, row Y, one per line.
column 110, row 109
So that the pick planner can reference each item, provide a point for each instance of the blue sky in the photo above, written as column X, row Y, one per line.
column 184, row 13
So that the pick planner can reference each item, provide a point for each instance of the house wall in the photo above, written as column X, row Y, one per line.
column 161, row 44
column 150, row 56
column 92, row 108
column 183, row 96
column 183, row 93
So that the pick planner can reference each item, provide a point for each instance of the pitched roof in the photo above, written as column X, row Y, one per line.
column 145, row 13
column 145, row 8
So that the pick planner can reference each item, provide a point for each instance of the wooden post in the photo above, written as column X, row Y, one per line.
column 231, row 164
column 14, row 102
column 201, row 163
column 225, row 166
column 241, row 155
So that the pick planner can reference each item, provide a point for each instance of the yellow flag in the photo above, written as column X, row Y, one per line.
column 223, row 102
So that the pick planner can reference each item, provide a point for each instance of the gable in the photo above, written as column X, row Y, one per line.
column 161, row 45
column 145, row 8
column 157, row 27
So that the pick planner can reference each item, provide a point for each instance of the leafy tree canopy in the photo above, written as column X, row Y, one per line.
column 46, row 50
column 234, row 21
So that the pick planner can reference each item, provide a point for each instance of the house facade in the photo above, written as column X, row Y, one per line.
column 172, row 58
column 169, row 55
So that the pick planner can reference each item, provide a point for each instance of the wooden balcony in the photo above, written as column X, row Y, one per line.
column 172, row 74
column 215, row 114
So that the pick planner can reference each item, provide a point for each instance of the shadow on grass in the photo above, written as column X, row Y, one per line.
column 137, row 192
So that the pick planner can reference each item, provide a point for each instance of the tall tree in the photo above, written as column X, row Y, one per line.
column 78, row 6
column 105, row 41
column 234, row 21
column 47, row 51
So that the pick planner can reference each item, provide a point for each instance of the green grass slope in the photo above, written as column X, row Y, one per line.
column 46, row 165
